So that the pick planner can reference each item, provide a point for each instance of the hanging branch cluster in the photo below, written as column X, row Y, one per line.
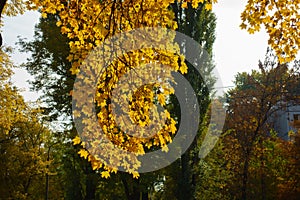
column 280, row 19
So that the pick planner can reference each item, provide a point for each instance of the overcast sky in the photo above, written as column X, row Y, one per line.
column 234, row 50
column 20, row 26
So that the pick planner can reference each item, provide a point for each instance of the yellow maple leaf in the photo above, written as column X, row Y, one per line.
column 184, row 5
column 44, row 15
column 165, row 148
column 208, row 6
column 105, row 174
column 173, row 128
column 58, row 23
column 161, row 99
column 76, row 140
column 148, row 145
column 83, row 153
column 135, row 175
column 183, row 69
column 243, row 26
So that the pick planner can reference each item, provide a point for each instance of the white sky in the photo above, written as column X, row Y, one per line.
column 20, row 26
column 234, row 51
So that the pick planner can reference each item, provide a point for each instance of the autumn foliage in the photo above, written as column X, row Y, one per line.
column 249, row 159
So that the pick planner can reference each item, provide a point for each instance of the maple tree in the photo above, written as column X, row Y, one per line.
column 23, row 157
column 280, row 19
column 75, row 175
column 9, row 98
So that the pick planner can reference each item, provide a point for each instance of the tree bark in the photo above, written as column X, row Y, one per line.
column 90, row 183
column 245, row 177
column 262, row 174
column 132, row 192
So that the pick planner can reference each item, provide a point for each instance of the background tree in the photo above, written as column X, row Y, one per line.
column 50, row 69
column 199, row 24
column 250, row 107
column 23, row 141
column 289, row 185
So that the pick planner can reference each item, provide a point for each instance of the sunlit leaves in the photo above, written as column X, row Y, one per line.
column 83, row 153
column 195, row 3
column 14, row 7
column 76, row 140
column 281, row 20
column 11, row 102
column 105, row 174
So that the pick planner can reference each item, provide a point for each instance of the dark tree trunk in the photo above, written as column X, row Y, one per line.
column 245, row 176
column 185, row 184
column 262, row 175
column 145, row 196
column 90, row 183
column 132, row 189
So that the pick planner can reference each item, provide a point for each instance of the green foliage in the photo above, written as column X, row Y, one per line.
column 182, row 177
column 50, row 68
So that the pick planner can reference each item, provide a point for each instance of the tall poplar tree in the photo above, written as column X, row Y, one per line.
column 199, row 24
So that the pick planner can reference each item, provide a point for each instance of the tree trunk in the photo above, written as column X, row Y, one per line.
column 90, row 183
column 185, row 183
column 132, row 188
column 47, row 175
column 262, row 174
column 145, row 196
column 245, row 177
